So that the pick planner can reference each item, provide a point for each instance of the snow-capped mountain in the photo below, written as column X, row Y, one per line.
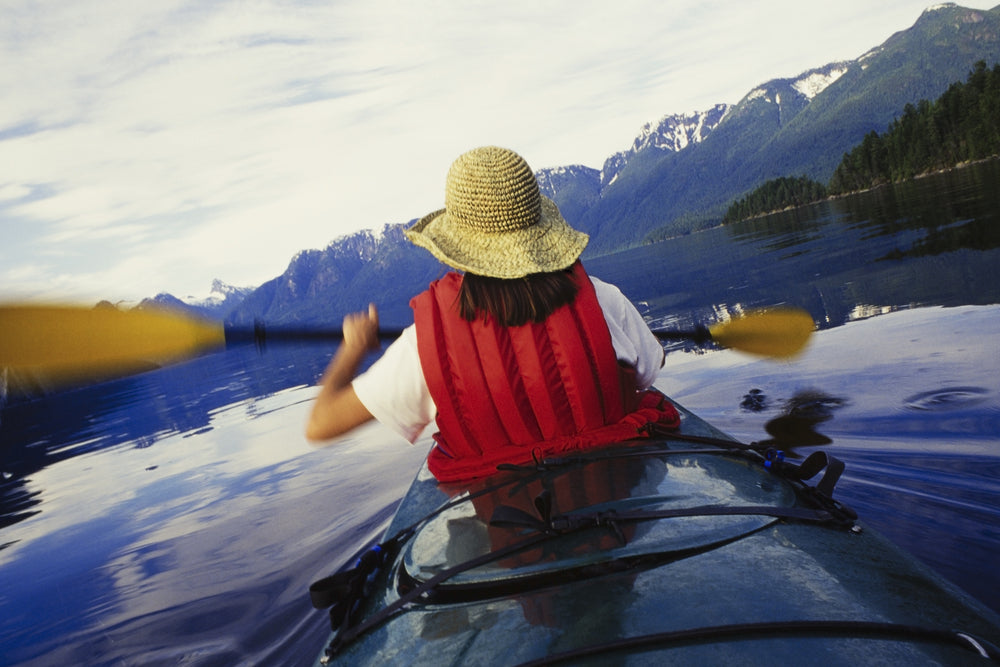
column 577, row 187
column 221, row 296
column 673, row 133
column 789, row 96
column 553, row 180
column 574, row 188
column 814, row 82
column 221, row 301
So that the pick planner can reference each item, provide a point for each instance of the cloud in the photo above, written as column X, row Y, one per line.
column 218, row 139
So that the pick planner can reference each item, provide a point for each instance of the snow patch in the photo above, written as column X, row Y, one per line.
column 672, row 133
column 871, row 54
column 814, row 84
column 219, row 294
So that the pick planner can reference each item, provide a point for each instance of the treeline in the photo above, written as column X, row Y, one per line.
column 961, row 126
column 775, row 195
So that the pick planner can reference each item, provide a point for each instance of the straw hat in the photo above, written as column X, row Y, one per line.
column 495, row 221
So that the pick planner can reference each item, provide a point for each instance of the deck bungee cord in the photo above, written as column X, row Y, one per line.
column 546, row 528
column 345, row 592
column 760, row 631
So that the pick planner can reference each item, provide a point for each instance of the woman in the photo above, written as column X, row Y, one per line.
column 521, row 355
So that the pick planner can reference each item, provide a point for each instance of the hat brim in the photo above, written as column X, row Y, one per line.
column 548, row 245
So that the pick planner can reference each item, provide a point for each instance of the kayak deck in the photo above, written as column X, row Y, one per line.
column 665, row 551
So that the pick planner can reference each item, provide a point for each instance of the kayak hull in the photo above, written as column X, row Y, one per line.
column 708, row 558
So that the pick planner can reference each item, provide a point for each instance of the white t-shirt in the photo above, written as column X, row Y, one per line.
column 393, row 389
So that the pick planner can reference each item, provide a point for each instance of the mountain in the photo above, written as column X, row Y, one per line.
column 221, row 301
column 578, row 189
column 659, row 163
column 672, row 134
column 575, row 189
column 323, row 285
column 679, row 175
column 788, row 127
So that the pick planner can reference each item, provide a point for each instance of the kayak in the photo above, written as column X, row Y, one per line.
column 686, row 548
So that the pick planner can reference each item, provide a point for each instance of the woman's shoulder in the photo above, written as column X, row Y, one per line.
column 606, row 292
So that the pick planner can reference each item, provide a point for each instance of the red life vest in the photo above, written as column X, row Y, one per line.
column 506, row 394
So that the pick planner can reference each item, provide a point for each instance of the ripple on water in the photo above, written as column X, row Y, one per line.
column 951, row 398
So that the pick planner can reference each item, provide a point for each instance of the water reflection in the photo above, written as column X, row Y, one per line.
column 909, row 401
column 139, row 411
column 880, row 251
column 797, row 425
column 198, row 549
column 950, row 211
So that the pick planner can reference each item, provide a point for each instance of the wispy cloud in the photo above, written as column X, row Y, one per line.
column 153, row 146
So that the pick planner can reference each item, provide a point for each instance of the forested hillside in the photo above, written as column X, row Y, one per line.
column 962, row 125
column 778, row 131
column 775, row 195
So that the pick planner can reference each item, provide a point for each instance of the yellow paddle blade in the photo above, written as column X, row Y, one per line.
column 781, row 332
column 68, row 343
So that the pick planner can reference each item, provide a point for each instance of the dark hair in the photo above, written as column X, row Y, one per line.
column 517, row 301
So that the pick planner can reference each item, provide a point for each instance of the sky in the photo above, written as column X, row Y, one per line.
column 151, row 147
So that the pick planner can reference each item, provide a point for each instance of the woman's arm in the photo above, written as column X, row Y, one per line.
column 337, row 409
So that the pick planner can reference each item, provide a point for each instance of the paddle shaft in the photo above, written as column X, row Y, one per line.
column 261, row 334
column 700, row 335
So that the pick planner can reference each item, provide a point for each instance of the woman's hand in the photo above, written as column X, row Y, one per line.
column 361, row 330
column 337, row 408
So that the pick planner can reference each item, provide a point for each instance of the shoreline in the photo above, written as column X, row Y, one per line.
column 843, row 195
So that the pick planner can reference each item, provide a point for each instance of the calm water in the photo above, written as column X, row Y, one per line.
column 179, row 516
